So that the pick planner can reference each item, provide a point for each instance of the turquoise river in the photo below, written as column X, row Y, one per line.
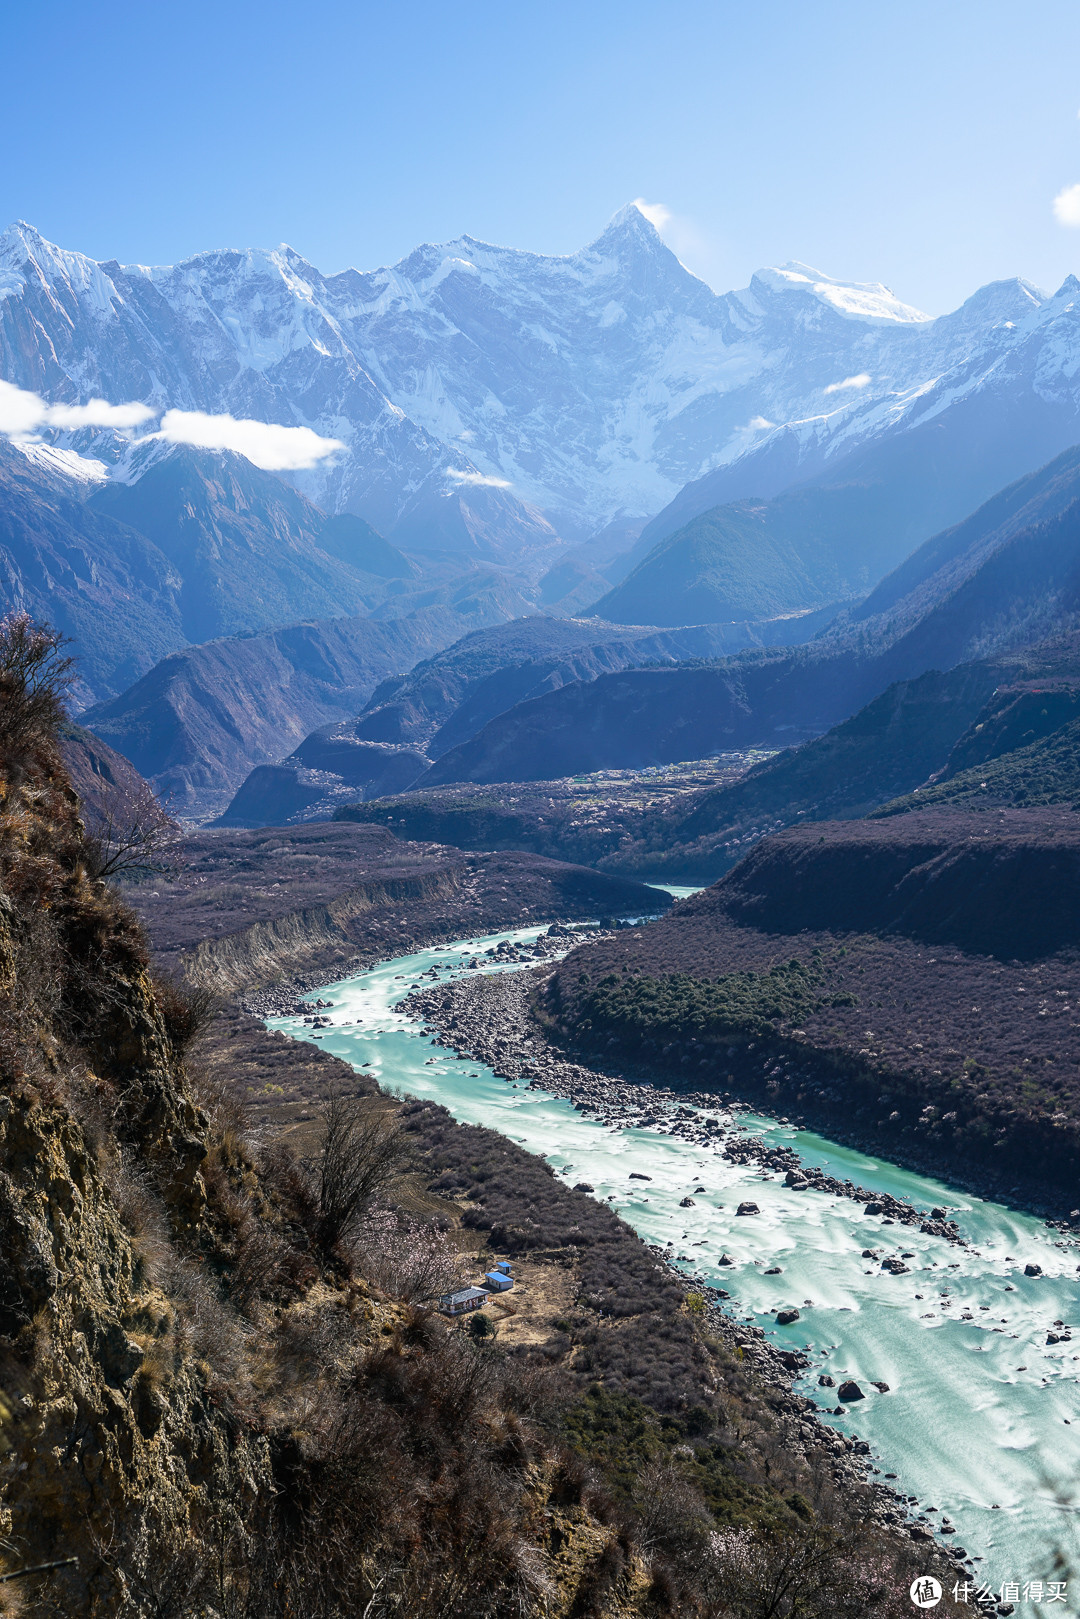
column 982, row 1418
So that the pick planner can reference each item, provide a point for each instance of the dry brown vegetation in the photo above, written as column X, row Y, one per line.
column 902, row 1037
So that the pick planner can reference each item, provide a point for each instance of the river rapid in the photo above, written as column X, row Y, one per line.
column 981, row 1424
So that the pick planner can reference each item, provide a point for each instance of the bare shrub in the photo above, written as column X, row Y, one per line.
column 35, row 676
column 157, row 1570
column 812, row 1573
column 364, row 1150
column 39, row 963
column 672, row 1518
column 207, row 1327
column 265, row 1264
column 132, row 835
column 186, row 1009
column 410, row 1260
column 139, row 1206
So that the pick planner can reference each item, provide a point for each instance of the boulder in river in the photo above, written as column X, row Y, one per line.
column 686, row 1203
column 636, row 1175
column 747, row 1208
column 784, row 1318
column 850, row 1390
column 882, row 1388
column 583, row 1186
column 826, row 1382
column 895, row 1267
column 1032, row 1270
column 795, row 1179
column 725, row 1259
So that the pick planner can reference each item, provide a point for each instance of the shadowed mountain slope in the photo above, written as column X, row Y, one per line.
column 245, row 546
column 1014, row 580
column 449, row 697
column 97, row 579
column 823, row 541
column 918, row 476
column 198, row 722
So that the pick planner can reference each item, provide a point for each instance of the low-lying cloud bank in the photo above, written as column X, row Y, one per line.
column 24, row 415
column 22, row 412
column 276, row 449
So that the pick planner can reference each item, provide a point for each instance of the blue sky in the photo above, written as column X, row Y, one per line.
column 914, row 143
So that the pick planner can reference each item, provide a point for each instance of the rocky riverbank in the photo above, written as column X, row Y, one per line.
column 845, row 1455
column 489, row 1020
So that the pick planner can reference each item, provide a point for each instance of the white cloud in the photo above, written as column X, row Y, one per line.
column 861, row 381
column 24, row 412
column 99, row 413
column 476, row 479
column 657, row 213
column 20, row 412
column 274, row 448
column 1067, row 206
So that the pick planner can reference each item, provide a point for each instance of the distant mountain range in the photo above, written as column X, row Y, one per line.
column 496, row 402
column 1007, row 577
column 412, row 719
column 525, row 438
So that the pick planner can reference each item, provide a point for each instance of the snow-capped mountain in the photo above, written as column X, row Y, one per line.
column 498, row 400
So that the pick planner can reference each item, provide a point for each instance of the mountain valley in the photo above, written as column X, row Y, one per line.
column 639, row 743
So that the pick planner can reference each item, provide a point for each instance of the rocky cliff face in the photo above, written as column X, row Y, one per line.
column 112, row 1427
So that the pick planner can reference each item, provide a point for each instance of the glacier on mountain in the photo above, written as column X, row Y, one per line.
column 503, row 403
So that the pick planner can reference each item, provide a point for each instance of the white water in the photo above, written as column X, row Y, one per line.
column 982, row 1420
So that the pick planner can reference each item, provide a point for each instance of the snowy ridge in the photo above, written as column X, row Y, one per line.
column 497, row 400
